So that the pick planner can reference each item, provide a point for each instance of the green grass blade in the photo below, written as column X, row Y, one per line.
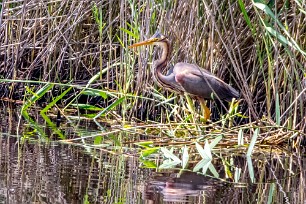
column 87, row 107
column 41, row 92
column 52, row 103
column 185, row 157
column 271, row 193
column 37, row 127
column 37, row 95
column 168, row 164
column 240, row 137
column 206, row 166
column 207, row 150
column 96, row 77
column 53, row 126
column 279, row 36
column 95, row 92
column 145, row 144
column 148, row 164
column 246, row 16
column 110, row 107
column 201, row 150
column 168, row 154
column 251, row 169
column 213, row 170
column 215, row 141
column 200, row 165
column 149, row 151
column 277, row 109
column 237, row 174
column 136, row 36
column 252, row 143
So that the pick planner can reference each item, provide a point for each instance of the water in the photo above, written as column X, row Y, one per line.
column 45, row 168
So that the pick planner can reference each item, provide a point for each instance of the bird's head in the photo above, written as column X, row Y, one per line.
column 156, row 39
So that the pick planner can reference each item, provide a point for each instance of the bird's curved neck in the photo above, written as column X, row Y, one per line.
column 160, row 64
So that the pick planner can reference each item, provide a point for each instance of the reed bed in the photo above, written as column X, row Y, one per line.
column 82, row 46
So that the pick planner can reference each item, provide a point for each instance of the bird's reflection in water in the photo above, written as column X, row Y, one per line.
column 184, row 188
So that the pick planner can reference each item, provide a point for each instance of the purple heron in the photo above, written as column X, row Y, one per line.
column 187, row 78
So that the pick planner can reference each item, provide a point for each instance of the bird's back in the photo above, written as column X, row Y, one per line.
column 202, row 83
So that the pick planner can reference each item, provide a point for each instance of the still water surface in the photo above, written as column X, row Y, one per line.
column 43, row 168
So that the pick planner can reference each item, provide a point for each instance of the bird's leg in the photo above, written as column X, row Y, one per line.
column 205, row 109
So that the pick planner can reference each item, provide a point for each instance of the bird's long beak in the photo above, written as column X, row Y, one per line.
column 146, row 42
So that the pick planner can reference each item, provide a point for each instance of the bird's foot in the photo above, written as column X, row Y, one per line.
column 206, row 114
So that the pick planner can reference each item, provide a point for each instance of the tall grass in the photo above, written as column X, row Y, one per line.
column 257, row 48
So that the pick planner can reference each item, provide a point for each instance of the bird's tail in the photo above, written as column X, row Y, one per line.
column 232, row 93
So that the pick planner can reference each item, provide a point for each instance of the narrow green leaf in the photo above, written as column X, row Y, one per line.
column 227, row 168
column 279, row 36
column 146, row 144
column 37, row 95
column 201, row 164
column 37, row 127
column 149, row 151
column 130, row 33
column 271, row 193
column 215, row 142
column 201, row 151
column 149, row 164
column 98, row 140
column 85, row 199
column 96, row 76
column 95, row 92
column 190, row 103
column 168, row 154
column 277, row 109
column 120, row 41
column 185, row 157
column 207, row 150
column 265, row 9
column 245, row 15
column 110, row 107
column 253, row 141
column 42, row 91
column 87, row 107
column 241, row 116
column 213, row 170
column 237, row 174
column 251, row 169
column 169, row 164
column 205, row 167
column 134, row 29
column 165, row 101
column 52, row 103
column 240, row 137
column 53, row 126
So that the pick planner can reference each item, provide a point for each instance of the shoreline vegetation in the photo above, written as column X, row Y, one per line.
column 73, row 54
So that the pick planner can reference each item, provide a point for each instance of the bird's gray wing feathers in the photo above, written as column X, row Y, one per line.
column 201, row 83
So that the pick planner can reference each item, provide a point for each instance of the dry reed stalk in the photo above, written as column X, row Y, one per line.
column 60, row 41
